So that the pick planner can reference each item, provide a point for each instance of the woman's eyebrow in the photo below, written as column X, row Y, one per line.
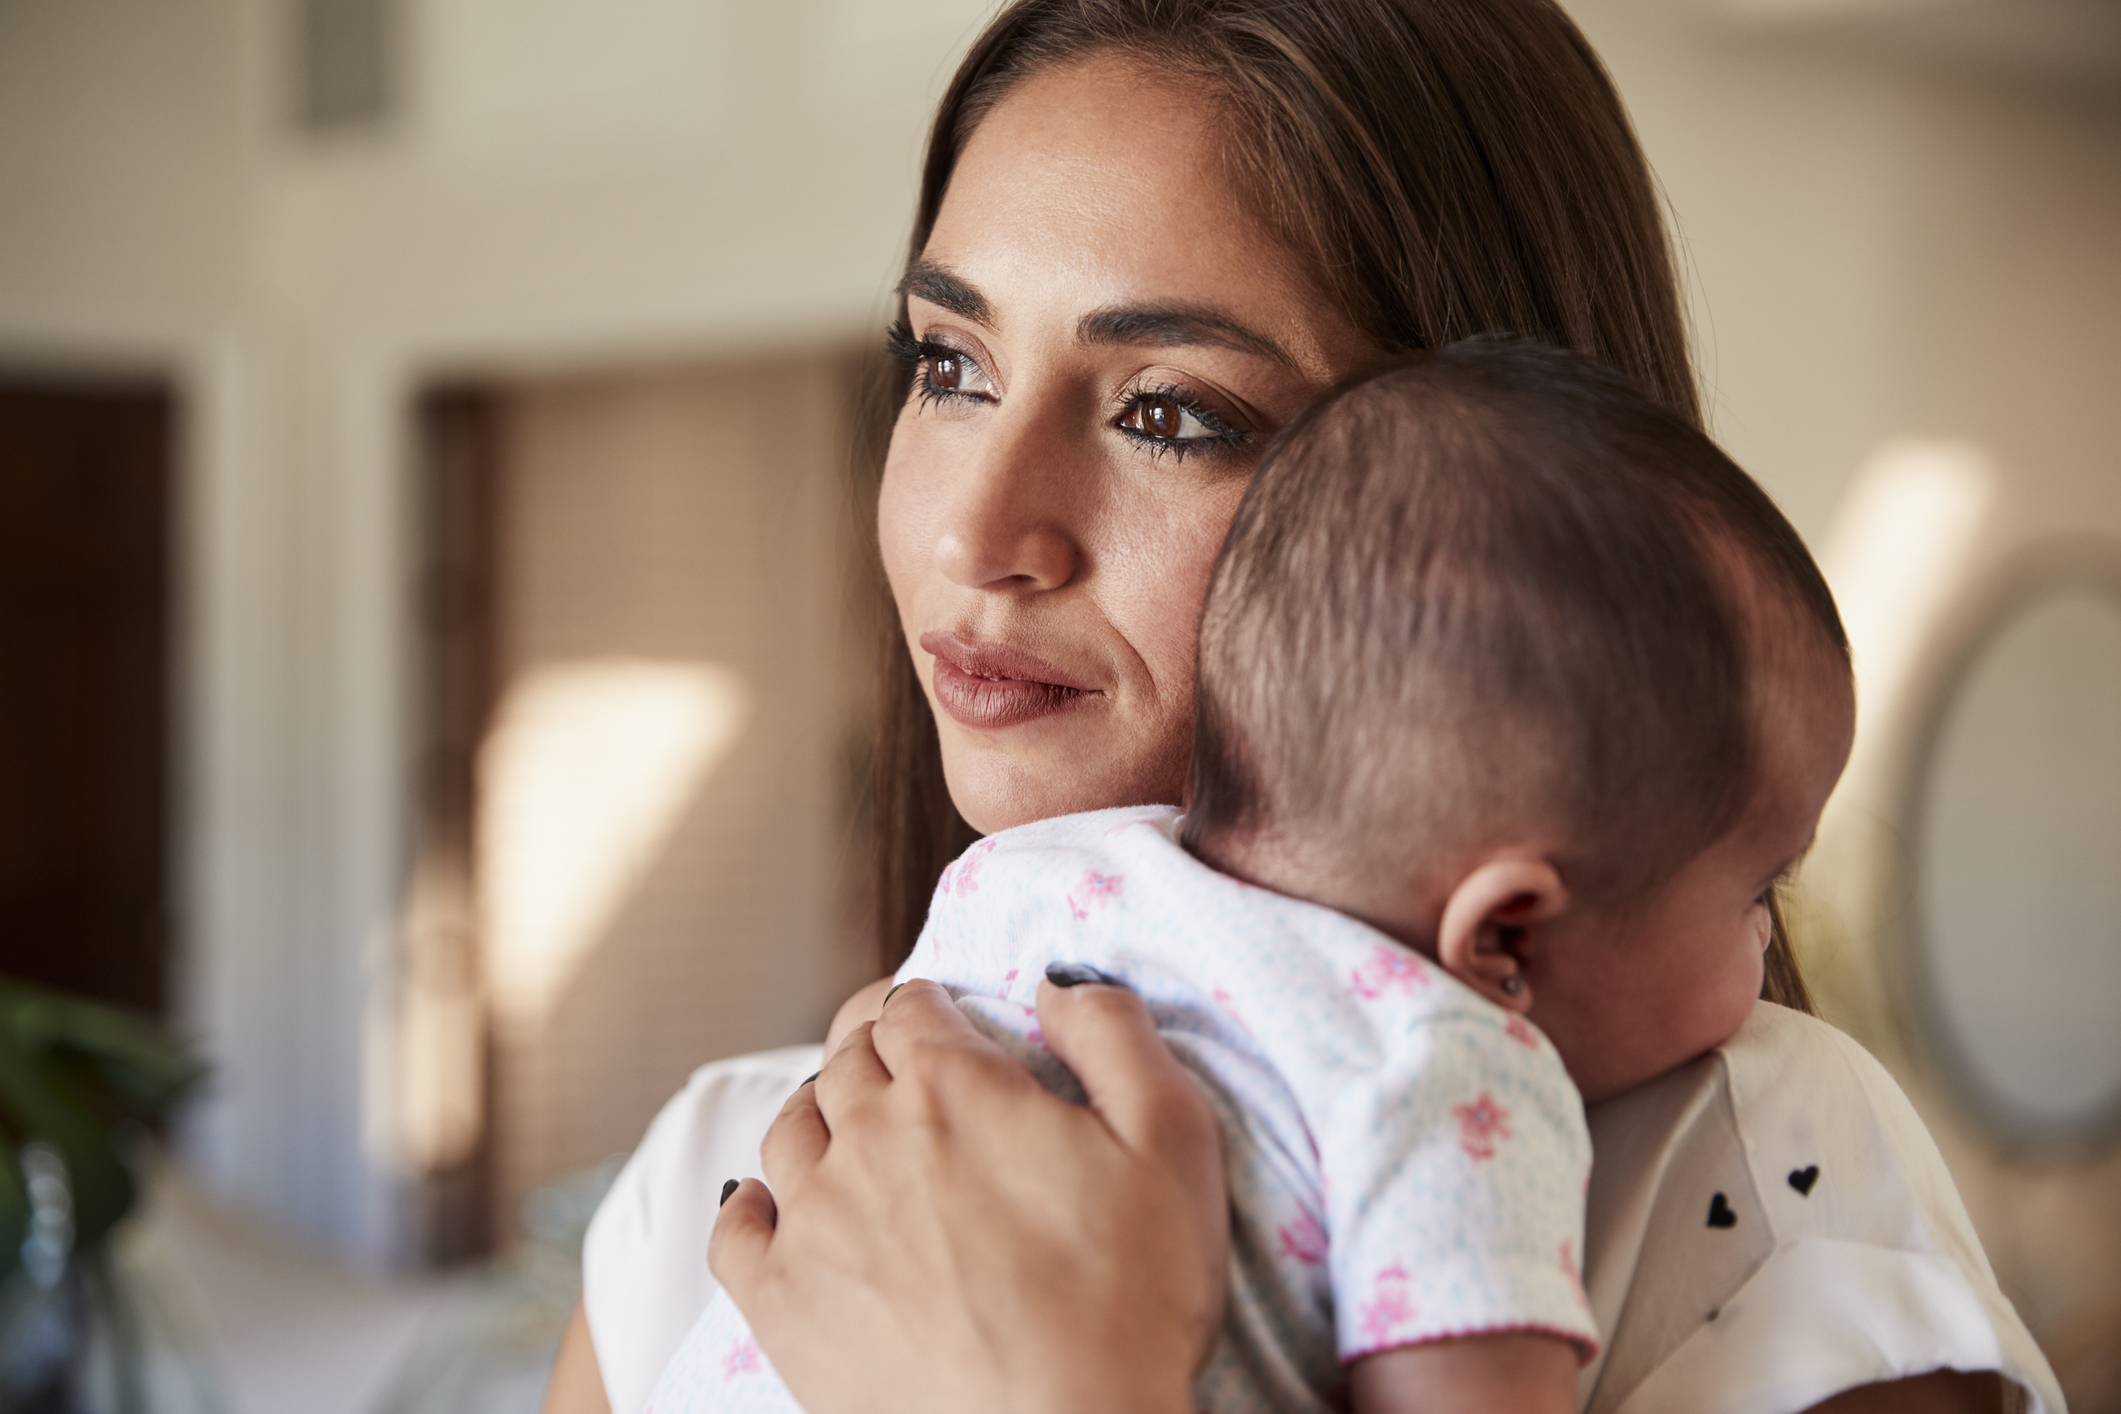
column 941, row 286
column 1177, row 324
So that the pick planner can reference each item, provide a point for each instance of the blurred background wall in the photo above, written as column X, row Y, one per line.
column 508, row 347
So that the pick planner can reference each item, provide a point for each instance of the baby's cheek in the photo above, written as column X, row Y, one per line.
column 1732, row 994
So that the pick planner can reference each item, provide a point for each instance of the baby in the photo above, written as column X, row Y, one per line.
column 1515, row 700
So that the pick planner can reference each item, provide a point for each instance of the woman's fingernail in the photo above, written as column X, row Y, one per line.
column 810, row 1077
column 727, row 1189
column 888, row 996
column 1075, row 974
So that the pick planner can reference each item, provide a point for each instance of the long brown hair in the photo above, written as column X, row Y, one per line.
column 1446, row 167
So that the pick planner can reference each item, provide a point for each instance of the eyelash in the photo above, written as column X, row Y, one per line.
column 1224, row 440
column 920, row 355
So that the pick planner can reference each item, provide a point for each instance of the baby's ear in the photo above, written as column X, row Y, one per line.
column 1485, row 918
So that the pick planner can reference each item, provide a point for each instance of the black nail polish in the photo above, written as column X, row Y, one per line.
column 888, row 996
column 812, row 1076
column 727, row 1189
column 1075, row 974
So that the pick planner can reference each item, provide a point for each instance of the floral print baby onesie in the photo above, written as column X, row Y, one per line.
column 1406, row 1161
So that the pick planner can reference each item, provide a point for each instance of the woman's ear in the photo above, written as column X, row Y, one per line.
column 1485, row 918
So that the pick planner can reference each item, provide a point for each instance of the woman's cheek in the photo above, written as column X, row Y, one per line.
column 1171, row 567
column 905, row 517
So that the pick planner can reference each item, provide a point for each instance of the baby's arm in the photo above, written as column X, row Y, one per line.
column 1509, row 1372
column 1455, row 1215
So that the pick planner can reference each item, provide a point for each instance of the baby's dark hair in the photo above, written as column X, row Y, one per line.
column 1492, row 586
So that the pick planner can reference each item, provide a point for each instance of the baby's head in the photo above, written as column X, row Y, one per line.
column 1517, row 666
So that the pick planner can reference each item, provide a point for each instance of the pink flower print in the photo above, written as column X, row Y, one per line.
column 742, row 1358
column 968, row 867
column 1388, row 969
column 1388, row 1308
column 1125, row 825
column 1517, row 1030
column 1094, row 889
column 1303, row 1239
column 1480, row 1124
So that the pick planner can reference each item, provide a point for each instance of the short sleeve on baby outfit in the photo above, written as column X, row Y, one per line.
column 1455, row 1192
column 1772, row 1225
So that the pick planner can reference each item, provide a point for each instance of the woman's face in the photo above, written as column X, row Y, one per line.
column 1106, row 341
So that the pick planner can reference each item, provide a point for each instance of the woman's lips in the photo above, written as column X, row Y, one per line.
column 994, row 685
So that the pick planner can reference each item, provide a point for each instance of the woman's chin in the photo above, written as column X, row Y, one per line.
column 997, row 788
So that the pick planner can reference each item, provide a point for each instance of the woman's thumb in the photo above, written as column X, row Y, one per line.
column 743, row 1231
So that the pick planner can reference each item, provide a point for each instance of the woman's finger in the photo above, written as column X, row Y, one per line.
column 921, row 1013
column 743, row 1230
column 798, row 1139
column 853, row 1072
column 1106, row 1036
column 1150, row 1101
column 922, row 1032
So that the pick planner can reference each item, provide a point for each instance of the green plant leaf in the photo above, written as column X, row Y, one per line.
column 82, row 1078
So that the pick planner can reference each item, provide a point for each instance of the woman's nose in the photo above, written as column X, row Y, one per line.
column 1008, row 525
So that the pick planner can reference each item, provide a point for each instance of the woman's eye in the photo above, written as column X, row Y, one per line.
column 1172, row 420
column 945, row 375
column 939, row 372
column 1164, row 417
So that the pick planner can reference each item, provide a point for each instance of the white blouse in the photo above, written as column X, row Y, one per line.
column 1768, row 1225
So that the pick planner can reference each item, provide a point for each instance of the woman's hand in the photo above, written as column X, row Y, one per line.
column 944, row 1235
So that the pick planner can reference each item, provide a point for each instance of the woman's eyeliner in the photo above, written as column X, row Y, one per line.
column 1218, row 436
column 1169, row 402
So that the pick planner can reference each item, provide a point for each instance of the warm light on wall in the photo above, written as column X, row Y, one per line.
column 1895, row 555
column 588, row 768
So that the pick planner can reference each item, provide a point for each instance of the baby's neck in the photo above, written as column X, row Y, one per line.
column 1305, row 870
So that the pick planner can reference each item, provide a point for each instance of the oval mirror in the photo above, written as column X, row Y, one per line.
column 2018, row 848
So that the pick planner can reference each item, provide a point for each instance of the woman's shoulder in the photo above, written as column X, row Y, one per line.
column 1774, row 1218
column 644, row 1261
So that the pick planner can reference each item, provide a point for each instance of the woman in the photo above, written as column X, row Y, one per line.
column 1149, row 232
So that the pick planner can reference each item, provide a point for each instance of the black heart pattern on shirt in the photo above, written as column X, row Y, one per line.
column 1803, row 1179
column 1720, row 1214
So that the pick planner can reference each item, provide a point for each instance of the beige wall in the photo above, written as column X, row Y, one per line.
column 664, row 841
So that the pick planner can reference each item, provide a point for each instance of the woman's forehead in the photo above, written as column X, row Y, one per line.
column 1100, row 186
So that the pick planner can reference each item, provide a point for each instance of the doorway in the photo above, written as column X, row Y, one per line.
column 85, row 499
column 646, row 617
